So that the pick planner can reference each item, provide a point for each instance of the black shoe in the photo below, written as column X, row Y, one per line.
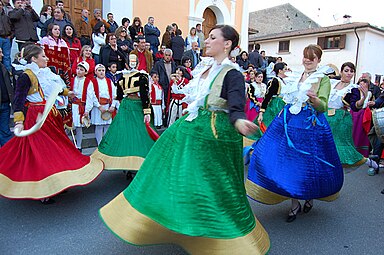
column 382, row 192
column 81, row 150
column 293, row 212
column 47, row 201
column 129, row 176
column 307, row 206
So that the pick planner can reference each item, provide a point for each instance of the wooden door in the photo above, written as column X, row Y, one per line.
column 74, row 7
column 209, row 21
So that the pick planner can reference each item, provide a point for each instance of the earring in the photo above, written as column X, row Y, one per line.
column 225, row 50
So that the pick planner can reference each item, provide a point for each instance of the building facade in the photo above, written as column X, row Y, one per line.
column 359, row 43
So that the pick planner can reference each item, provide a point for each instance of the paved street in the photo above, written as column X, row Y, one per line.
column 353, row 224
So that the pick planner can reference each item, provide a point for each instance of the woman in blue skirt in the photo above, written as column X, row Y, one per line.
column 296, row 158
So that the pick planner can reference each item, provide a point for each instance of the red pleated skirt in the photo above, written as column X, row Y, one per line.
column 44, row 163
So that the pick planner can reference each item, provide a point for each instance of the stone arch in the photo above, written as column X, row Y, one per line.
column 220, row 9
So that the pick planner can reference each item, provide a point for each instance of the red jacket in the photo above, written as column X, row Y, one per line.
column 74, row 49
column 90, row 61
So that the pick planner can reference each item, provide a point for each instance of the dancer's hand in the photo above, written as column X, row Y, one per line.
column 260, row 117
column 19, row 127
column 101, row 108
column 245, row 127
column 147, row 118
column 71, row 94
column 86, row 114
column 111, row 109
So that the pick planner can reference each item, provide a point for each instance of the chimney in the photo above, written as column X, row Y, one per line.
column 347, row 19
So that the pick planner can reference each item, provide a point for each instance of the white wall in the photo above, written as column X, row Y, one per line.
column 368, row 60
column 120, row 9
column 372, row 54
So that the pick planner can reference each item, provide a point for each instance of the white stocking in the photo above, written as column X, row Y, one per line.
column 79, row 137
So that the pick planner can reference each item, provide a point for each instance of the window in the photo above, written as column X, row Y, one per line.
column 284, row 46
column 332, row 42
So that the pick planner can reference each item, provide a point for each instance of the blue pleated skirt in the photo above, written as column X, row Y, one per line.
column 295, row 158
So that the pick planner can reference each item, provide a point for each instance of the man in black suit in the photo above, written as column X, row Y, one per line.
column 165, row 67
column 255, row 58
column 23, row 18
column 193, row 54
column 372, row 87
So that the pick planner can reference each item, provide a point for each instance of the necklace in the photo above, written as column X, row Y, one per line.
column 309, row 73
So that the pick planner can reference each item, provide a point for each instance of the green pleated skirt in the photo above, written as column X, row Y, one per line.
column 274, row 108
column 190, row 188
column 341, row 126
column 126, row 143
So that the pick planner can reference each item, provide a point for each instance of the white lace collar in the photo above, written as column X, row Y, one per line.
column 198, row 89
column 296, row 95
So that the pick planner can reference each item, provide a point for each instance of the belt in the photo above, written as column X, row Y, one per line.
column 157, row 102
column 104, row 101
column 178, row 96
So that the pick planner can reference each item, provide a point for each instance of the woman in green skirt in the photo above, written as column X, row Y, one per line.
column 272, row 103
column 190, row 189
column 344, row 96
column 127, row 142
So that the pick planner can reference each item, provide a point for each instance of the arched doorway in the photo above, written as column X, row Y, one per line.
column 209, row 21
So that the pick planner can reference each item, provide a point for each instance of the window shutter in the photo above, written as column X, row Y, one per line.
column 342, row 41
column 321, row 42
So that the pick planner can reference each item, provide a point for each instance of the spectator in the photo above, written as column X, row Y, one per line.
column 123, row 40
column 53, row 37
column 372, row 87
column 83, row 28
column 193, row 54
column 112, row 53
column 255, row 57
column 112, row 23
column 177, row 46
column 166, row 40
column 243, row 61
column 98, row 37
column 23, row 18
column 5, row 37
column 152, row 34
column 74, row 44
column 175, row 27
column 6, row 97
column 192, row 37
column 96, row 18
column 160, row 54
column 187, row 63
column 60, row 4
column 45, row 14
column 85, row 55
column 136, row 29
column 7, row 6
column 165, row 68
column 145, row 57
column 125, row 23
column 200, row 35
column 58, row 19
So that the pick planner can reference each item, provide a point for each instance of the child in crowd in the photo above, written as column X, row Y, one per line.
column 115, row 77
column 100, row 102
column 79, row 85
column 157, row 100
column 175, row 106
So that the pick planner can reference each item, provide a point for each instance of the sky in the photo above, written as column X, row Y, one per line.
column 330, row 12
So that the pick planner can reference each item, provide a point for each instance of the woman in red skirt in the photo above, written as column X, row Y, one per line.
column 44, row 163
